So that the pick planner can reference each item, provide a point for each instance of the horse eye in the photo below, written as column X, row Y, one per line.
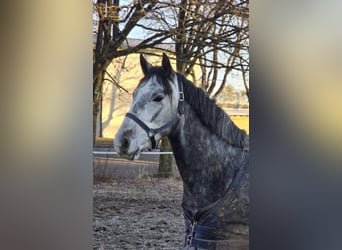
column 158, row 98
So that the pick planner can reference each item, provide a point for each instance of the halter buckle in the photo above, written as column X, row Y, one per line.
column 181, row 96
column 151, row 133
column 189, row 239
column 191, row 235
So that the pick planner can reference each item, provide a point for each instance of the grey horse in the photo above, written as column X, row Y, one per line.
column 211, row 152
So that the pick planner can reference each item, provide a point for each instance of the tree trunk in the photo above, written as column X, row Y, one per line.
column 97, row 93
column 99, row 121
column 165, row 161
column 95, row 113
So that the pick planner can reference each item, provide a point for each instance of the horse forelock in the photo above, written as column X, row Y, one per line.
column 213, row 117
column 161, row 78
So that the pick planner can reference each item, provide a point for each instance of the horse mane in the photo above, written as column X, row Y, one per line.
column 213, row 117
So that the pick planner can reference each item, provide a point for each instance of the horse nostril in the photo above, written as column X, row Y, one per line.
column 124, row 144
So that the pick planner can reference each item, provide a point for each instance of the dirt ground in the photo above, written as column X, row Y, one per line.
column 142, row 213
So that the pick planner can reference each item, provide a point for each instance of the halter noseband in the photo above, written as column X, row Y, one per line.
column 151, row 132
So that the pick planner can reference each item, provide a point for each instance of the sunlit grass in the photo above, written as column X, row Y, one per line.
column 242, row 122
column 104, row 139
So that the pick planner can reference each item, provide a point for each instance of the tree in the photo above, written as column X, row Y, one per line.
column 112, row 24
column 115, row 70
column 213, row 35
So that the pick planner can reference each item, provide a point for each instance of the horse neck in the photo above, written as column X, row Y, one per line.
column 205, row 161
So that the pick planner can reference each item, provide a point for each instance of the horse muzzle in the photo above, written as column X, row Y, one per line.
column 122, row 147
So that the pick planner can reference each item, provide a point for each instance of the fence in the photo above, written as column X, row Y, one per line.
column 107, row 164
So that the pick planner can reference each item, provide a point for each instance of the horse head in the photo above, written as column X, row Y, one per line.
column 153, row 111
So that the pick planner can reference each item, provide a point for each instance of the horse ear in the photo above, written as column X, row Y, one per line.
column 145, row 65
column 166, row 65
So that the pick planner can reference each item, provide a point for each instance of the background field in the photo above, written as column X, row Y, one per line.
column 241, row 121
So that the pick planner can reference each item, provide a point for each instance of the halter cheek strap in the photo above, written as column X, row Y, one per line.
column 181, row 96
column 151, row 132
column 144, row 127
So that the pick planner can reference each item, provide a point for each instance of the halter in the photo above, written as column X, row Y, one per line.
column 151, row 132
